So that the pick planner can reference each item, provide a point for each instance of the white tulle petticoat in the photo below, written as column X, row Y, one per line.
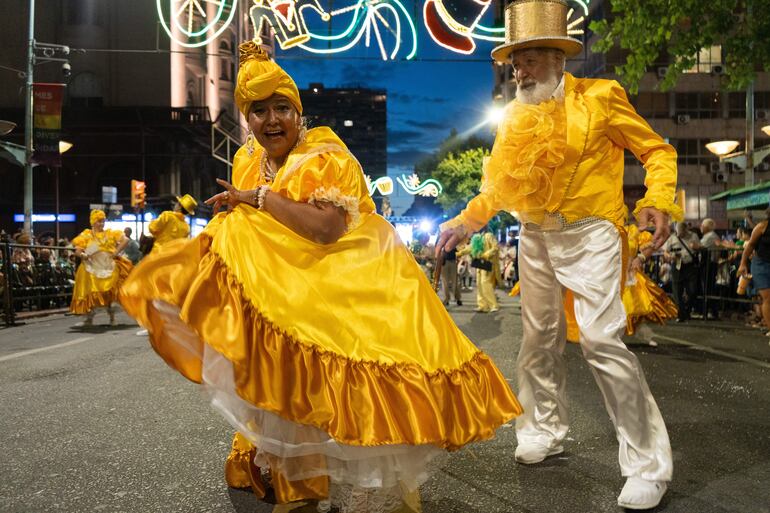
column 361, row 479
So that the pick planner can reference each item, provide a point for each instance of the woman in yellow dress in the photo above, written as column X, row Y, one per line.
column 101, row 270
column 310, row 324
column 642, row 298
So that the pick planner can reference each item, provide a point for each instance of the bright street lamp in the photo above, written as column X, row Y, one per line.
column 720, row 148
column 766, row 130
column 495, row 115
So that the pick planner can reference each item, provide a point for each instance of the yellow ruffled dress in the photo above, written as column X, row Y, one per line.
column 97, row 286
column 642, row 298
column 338, row 362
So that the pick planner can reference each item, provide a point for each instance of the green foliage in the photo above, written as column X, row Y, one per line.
column 681, row 28
column 460, row 175
column 452, row 144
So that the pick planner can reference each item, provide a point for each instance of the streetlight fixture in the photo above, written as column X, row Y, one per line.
column 721, row 148
column 64, row 146
column 766, row 130
column 6, row 127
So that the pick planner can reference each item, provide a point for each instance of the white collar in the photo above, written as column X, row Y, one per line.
column 558, row 93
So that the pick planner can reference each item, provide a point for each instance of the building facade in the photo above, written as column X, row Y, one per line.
column 138, row 104
column 357, row 115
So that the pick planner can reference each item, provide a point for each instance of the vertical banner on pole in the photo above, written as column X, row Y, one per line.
column 47, row 126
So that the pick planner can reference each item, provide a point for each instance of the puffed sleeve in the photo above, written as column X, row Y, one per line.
column 629, row 130
column 82, row 240
column 333, row 177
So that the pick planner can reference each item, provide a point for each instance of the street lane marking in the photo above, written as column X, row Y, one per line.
column 41, row 349
column 758, row 363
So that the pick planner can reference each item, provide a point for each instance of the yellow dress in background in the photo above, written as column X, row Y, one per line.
column 167, row 227
column 96, row 287
column 346, row 339
column 642, row 298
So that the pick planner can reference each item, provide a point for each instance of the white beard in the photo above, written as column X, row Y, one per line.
column 541, row 92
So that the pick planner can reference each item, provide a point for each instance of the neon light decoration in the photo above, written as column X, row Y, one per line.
column 194, row 23
column 410, row 184
column 384, row 22
column 455, row 24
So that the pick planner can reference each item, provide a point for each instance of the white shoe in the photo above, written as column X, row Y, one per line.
column 142, row 333
column 535, row 453
column 640, row 493
column 652, row 343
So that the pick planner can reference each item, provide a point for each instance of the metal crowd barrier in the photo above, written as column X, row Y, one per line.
column 38, row 285
column 708, row 290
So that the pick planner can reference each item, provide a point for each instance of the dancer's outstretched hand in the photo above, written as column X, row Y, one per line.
column 230, row 197
column 659, row 220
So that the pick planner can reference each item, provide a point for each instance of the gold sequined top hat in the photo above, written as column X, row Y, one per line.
column 188, row 203
column 536, row 24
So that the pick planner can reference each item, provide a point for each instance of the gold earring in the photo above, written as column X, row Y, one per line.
column 250, row 144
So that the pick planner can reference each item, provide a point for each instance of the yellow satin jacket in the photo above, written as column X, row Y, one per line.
column 167, row 227
column 601, row 124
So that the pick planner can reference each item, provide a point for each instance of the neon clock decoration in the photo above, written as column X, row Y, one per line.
column 194, row 23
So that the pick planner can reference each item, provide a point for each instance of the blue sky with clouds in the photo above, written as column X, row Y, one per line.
column 427, row 97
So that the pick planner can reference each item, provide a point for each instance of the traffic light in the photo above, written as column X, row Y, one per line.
column 137, row 194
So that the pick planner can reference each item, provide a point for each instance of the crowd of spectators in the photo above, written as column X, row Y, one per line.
column 42, row 269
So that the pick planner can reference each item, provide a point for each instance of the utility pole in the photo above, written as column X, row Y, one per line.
column 28, row 121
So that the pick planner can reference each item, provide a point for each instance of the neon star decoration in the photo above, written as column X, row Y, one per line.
column 410, row 184
column 194, row 23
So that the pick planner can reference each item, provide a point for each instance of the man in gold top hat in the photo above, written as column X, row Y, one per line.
column 170, row 224
column 557, row 162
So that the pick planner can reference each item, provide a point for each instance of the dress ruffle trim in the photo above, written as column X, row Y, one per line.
column 334, row 196
column 83, row 305
column 530, row 145
column 661, row 203
column 358, row 403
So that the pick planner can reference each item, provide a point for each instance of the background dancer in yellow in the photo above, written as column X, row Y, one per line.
column 558, row 162
column 170, row 224
column 343, row 386
column 485, row 256
column 101, row 270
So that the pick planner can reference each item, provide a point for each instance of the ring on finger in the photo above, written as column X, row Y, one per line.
column 227, row 195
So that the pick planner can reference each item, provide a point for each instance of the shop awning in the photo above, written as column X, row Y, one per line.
column 752, row 196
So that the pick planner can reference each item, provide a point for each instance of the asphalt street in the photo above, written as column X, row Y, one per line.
column 92, row 420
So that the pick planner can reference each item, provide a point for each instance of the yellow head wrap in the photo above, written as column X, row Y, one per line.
column 97, row 215
column 259, row 78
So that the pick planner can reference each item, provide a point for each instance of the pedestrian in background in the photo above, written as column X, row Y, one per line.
column 757, row 249
column 131, row 250
column 680, row 250
column 449, row 278
column 709, row 245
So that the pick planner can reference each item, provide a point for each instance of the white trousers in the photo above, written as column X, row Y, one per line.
column 587, row 260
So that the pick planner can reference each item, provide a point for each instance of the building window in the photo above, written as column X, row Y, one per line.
column 707, row 60
column 652, row 105
column 699, row 105
column 737, row 105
